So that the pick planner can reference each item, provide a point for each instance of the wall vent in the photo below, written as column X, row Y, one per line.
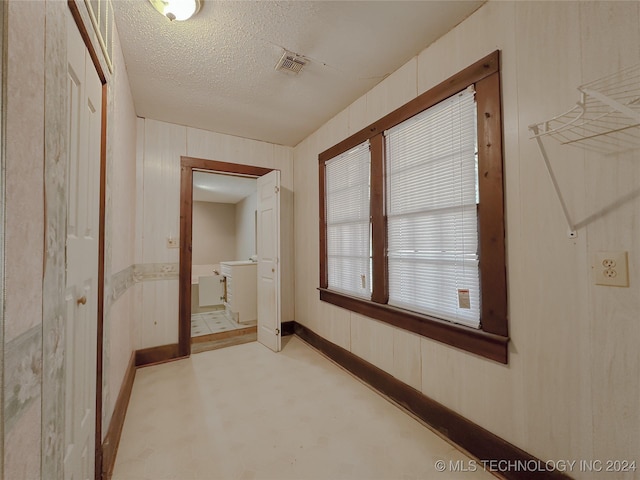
column 291, row 62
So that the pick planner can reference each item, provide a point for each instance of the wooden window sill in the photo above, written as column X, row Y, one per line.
column 489, row 345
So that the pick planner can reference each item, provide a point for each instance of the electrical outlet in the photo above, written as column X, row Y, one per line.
column 611, row 269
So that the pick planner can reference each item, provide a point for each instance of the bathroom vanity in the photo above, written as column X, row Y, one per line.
column 241, row 289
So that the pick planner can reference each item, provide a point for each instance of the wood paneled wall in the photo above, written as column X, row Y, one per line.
column 160, row 147
column 565, row 392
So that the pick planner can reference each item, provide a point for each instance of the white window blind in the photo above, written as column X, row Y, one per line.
column 347, row 180
column 432, row 196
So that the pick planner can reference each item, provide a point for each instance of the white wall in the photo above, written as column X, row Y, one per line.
column 122, row 188
column 119, row 324
column 571, row 388
column 160, row 147
column 246, row 227
column 213, row 233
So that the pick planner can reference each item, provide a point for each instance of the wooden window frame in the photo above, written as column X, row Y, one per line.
column 491, row 339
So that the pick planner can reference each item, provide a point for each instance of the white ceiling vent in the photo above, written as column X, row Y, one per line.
column 291, row 62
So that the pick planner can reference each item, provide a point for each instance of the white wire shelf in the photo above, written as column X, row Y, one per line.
column 606, row 119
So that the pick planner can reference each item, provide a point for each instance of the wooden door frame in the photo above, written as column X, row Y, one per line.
column 77, row 16
column 187, row 166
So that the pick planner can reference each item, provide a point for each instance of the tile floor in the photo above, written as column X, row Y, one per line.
column 216, row 321
column 244, row 412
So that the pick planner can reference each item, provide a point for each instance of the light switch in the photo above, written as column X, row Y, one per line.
column 172, row 242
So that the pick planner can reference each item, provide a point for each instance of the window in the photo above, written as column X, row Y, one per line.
column 348, row 224
column 431, row 196
column 411, row 216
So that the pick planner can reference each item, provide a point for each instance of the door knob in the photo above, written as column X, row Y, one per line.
column 82, row 300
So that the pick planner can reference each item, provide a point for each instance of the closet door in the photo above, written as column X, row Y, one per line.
column 83, row 182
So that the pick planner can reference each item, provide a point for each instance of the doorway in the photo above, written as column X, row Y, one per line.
column 268, row 319
column 223, row 306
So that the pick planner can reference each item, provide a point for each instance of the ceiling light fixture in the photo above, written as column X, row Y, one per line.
column 177, row 9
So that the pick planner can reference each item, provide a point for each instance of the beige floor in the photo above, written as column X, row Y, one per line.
column 244, row 412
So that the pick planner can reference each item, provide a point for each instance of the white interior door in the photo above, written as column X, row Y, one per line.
column 269, row 260
column 83, row 180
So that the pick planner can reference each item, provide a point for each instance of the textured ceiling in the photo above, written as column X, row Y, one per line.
column 216, row 71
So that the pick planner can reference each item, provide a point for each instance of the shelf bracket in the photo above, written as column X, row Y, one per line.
column 606, row 120
column 632, row 114
column 572, row 232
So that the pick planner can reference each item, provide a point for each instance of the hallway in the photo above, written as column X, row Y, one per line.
column 551, row 375
column 244, row 412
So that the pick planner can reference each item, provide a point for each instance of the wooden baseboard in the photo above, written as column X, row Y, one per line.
column 154, row 355
column 112, row 438
column 166, row 353
column 287, row 328
column 476, row 440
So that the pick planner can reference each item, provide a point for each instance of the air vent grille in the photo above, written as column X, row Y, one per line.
column 291, row 62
